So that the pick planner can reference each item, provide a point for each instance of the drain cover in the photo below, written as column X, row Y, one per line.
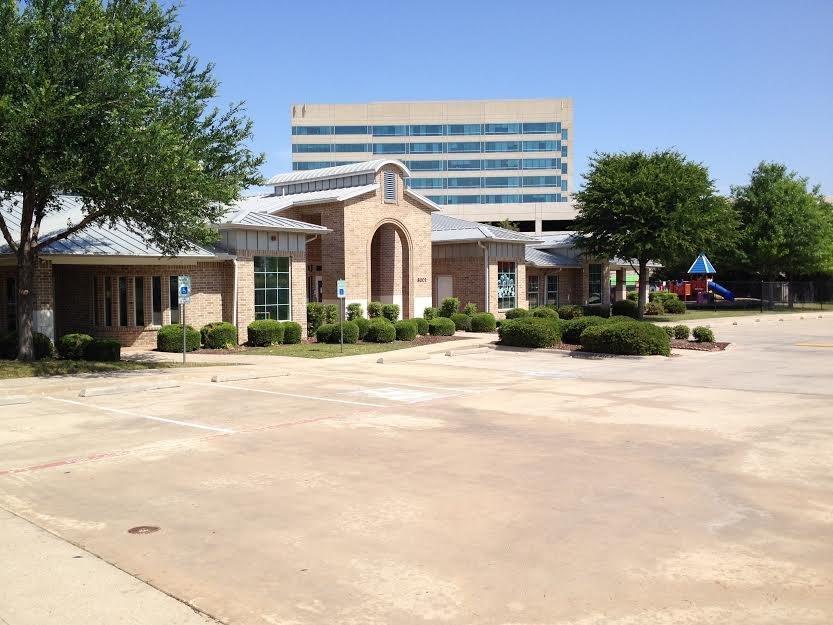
column 143, row 529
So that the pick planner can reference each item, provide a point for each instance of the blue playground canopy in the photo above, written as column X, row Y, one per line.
column 701, row 265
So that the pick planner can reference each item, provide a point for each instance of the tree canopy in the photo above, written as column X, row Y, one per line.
column 645, row 207
column 786, row 227
column 104, row 101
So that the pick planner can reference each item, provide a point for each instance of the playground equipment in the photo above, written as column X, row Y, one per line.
column 699, row 288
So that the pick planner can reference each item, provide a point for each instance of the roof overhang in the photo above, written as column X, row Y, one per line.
column 263, row 228
column 422, row 199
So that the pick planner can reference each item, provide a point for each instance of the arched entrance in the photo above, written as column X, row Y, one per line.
column 390, row 267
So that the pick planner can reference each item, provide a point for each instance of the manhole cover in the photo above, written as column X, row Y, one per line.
column 143, row 529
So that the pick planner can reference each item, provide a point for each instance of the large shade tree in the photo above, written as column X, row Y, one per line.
column 646, row 207
column 786, row 225
column 102, row 99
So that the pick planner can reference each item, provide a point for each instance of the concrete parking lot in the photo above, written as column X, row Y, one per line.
column 485, row 487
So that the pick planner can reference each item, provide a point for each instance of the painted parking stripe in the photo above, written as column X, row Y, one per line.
column 262, row 390
column 371, row 381
column 406, row 395
column 198, row 426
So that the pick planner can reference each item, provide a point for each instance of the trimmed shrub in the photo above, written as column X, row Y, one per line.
column 654, row 308
column 374, row 310
column 470, row 309
column 380, row 330
column 391, row 312
column 204, row 331
column 72, row 346
column 674, row 305
column 354, row 311
column 219, row 336
column 406, row 330
column 681, row 332
column 669, row 331
column 330, row 313
column 169, row 338
column 626, row 308
column 322, row 334
column 530, row 332
column 703, row 334
column 461, row 321
column 430, row 313
column 331, row 332
column 105, row 350
column 315, row 317
column 571, row 329
column 637, row 339
column 362, row 324
column 421, row 324
column 570, row 311
column 517, row 313
column 441, row 326
column 41, row 345
column 597, row 310
column 265, row 332
column 449, row 306
column 483, row 322
column 291, row 333
column 545, row 312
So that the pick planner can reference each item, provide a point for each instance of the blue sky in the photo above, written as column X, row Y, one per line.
column 729, row 83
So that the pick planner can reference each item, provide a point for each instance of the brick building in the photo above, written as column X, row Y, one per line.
column 276, row 252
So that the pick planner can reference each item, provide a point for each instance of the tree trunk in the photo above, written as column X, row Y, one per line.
column 25, row 302
column 643, row 288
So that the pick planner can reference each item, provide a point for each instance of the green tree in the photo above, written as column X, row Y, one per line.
column 645, row 207
column 506, row 224
column 103, row 100
column 786, row 226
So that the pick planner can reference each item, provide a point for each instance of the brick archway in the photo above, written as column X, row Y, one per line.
column 389, row 266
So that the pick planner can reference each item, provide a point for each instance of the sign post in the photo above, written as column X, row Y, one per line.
column 341, row 291
column 184, row 293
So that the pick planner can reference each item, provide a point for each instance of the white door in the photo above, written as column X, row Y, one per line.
column 445, row 288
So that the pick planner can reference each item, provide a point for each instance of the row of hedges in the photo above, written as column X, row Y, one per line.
column 626, row 337
column 73, row 346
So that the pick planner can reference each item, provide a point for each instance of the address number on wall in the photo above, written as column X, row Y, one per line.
column 422, row 279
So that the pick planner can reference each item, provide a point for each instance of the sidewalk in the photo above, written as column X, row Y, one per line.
column 45, row 580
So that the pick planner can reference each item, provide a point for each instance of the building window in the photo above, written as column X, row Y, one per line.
column 464, row 165
column 390, row 131
column 532, row 287
column 108, row 301
column 463, row 146
column 506, row 291
column 94, row 293
column 173, row 295
column 11, row 304
column 501, row 146
column 552, row 290
column 156, row 304
column 389, row 148
column 139, row 301
column 350, row 130
column 463, row 129
column 390, row 186
column 424, row 130
column 501, row 129
column 426, row 165
column 122, row 301
column 594, row 284
column 425, row 148
column 312, row 148
column 272, row 287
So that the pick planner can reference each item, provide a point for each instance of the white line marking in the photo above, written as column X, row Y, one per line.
column 199, row 426
column 391, row 393
column 344, row 377
column 260, row 390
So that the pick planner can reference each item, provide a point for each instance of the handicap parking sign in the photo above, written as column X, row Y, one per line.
column 184, row 289
column 341, row 289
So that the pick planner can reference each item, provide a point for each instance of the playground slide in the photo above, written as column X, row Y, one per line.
column 722, row 291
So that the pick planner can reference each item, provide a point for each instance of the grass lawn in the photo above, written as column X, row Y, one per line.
column 327, row 350
column 691, row 315
column 16, row 369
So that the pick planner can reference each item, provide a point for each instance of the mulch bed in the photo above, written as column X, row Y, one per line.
column 698, row 347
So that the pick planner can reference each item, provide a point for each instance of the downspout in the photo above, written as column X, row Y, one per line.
column 307, row 241
column 234, row 294
column 485, row 274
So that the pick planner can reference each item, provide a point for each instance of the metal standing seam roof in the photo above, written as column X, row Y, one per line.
column 447, row 229
column 256, row 219
column 353, row 169
column 541, row 258
column 271, row 203
column 103, row 240
column 701, row 266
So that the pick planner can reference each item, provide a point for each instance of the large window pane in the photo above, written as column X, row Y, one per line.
column 437, row 199
column 463, row 146
column 462, row 199
column 542, row 163
column 424, row 130
column 425, row 183
column 425, row 165
column 541, row 146
column 351, row 130
column 502, row 163
column 464, row 165
column 541, row 127
column 425, row 148
column 501, row 146
column 594, row 284
column 312, row 130
column 122, row 301
column 272, row 285
column 108, row 301
column 390, row 131
column 542, row 181
column 139, row 301
column 351, row 147
column 532, row 289
column 552, row 290
column 501, row 181
column 463, row 183
column 311, row 147
column 173, row 295
column 501, row 199
column 463, row 129
column 156, row 311
column 389, row 148
column 506, row 288
column 501, row 129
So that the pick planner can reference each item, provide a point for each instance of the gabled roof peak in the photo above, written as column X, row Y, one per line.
column 353, row 169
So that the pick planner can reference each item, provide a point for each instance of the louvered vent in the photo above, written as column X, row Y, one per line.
column 390, row 186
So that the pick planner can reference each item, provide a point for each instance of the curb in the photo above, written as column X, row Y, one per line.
column 13, row 400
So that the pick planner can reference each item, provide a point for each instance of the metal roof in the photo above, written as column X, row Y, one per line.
column 265, row 221
column 447, row 229
column 103, row 240
column 353, row 169
column 558, row 239
column 540, row 258
column 701, row 266
column 274, row 203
